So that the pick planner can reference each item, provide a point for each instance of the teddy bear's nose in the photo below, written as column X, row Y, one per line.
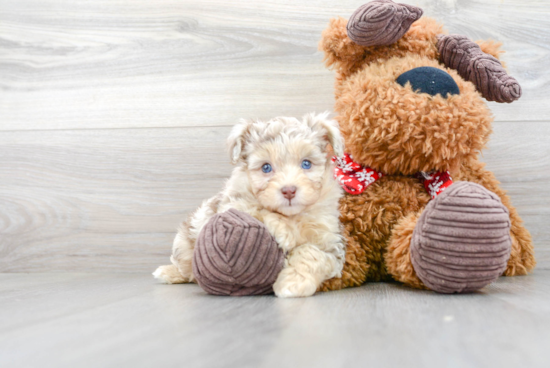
column 429, row 80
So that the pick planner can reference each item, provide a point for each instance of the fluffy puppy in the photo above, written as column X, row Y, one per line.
column 284, row 178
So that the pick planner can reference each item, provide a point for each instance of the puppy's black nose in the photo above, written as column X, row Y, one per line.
column 429, row 80
column 289, row 192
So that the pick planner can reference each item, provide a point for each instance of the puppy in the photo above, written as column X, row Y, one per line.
column 284, row 178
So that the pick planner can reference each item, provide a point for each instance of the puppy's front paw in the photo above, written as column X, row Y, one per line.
column 285, row 241
column 169, row 275
column 292, row 284
column 283, row 233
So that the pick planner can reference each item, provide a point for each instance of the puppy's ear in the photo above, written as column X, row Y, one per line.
column 237, row 139
column 331, row 129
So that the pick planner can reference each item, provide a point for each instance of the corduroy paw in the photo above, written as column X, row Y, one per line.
column 461, row 241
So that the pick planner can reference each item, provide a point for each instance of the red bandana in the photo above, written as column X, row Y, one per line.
column 355, row 178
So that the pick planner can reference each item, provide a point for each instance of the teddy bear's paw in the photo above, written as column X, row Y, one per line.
column 461, row 241
column 293, row 284
column 169, row 275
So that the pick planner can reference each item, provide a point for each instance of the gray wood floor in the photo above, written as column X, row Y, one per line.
column 128, row 320
column 113, row 114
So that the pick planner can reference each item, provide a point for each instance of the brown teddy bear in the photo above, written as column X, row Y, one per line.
column 420, row 208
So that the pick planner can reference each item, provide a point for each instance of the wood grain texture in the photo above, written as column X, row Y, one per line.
column 172, row 63
column 519, row 156
column 110, row 200
column 114, row 320
column 113, row 114
column 84, row 200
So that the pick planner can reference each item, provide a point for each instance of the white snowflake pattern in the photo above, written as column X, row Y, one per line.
column 342, row 179
column 342, row 164
column 365, row 176
column 435, row 186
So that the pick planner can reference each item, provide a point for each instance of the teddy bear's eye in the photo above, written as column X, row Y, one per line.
column 306, row 164
column 266, row 168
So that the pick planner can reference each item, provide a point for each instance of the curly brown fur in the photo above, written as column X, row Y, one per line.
column 408, row 132
column 369, row 219
column 492, row 48
column 398, row 256
column 395, row 130
column 346, row 57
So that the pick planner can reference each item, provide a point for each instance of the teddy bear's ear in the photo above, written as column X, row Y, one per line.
column 329, row 129
column 377, row 23
column 340, row 51
column 484, row 70
column 381, row 22
column 237, row 139
column 492, row 48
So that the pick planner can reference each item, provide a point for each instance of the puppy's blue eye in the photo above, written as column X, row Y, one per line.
column 266, row 168
column 306, row 164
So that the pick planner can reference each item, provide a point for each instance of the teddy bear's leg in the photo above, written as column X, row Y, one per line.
column 459, row 243
column 398, row 254
column 522, row 257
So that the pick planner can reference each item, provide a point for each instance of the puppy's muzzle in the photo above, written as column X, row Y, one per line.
column 289, row 192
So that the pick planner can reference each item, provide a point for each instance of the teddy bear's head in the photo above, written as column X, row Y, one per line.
column 410, row 98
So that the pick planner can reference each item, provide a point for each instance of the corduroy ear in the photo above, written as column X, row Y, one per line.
column 381, row 22
column 482, row 69
column 237, row 139
column 331, row 129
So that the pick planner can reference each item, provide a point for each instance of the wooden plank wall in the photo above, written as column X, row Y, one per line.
column 113, row 114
